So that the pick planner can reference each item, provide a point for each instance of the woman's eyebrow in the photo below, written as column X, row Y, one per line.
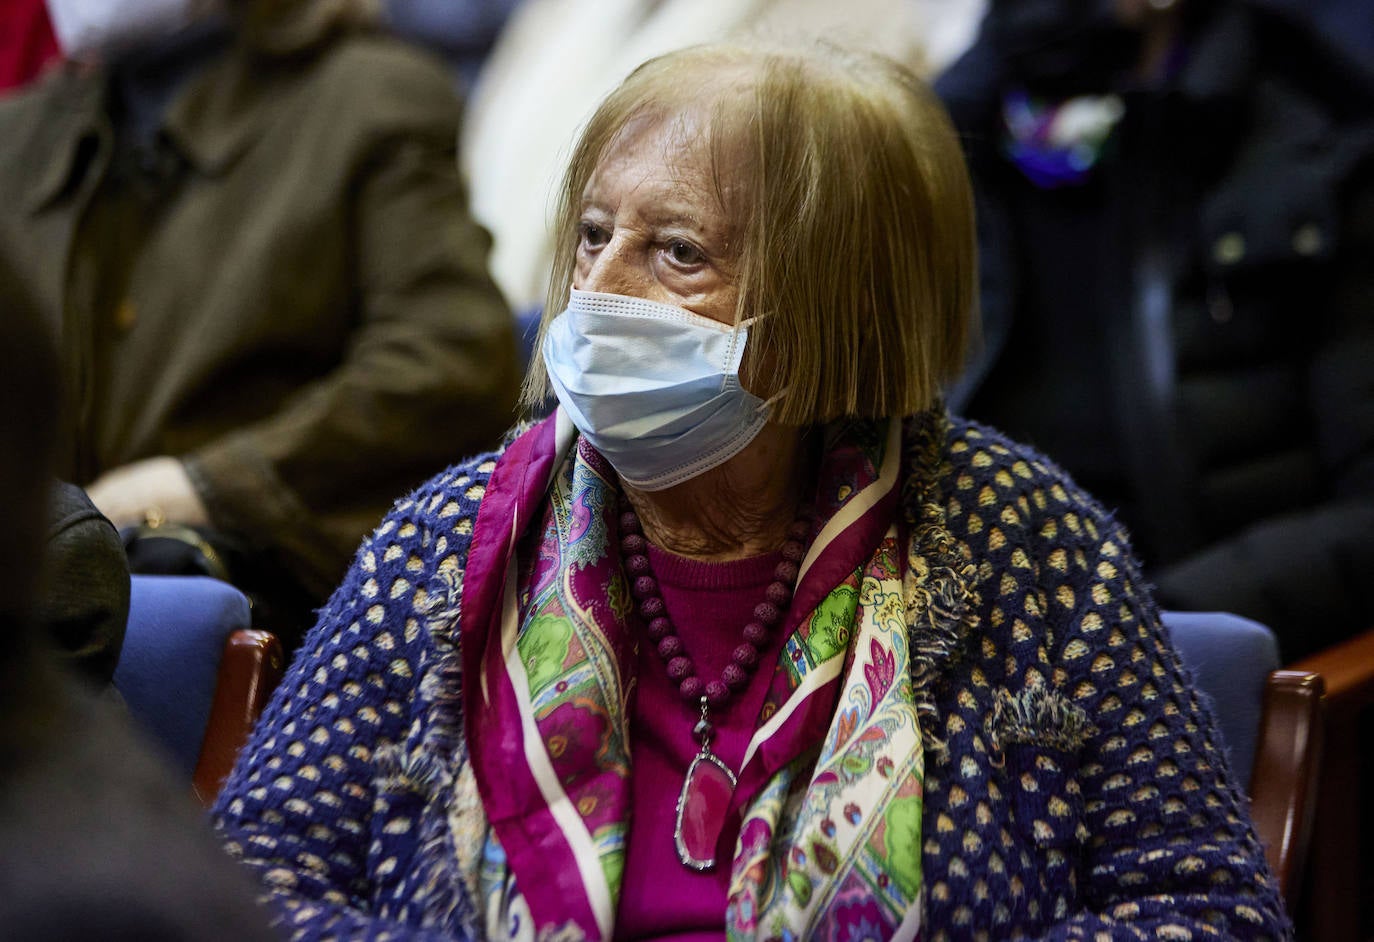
column 670, row 217
column 676, row 216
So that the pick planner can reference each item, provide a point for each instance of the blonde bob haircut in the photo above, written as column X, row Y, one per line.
column 852, row 220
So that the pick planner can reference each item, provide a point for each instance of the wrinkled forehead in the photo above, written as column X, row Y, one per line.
column 672, row 135
column 697, row 141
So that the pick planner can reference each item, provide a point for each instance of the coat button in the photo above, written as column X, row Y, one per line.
column 126, row 315
column 1229, row 249
column 1307, row 240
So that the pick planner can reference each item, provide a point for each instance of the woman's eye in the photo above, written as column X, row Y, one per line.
column 591, row 235
column 685, row 253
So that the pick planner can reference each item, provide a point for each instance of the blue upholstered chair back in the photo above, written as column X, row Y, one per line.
column 169, row 665
column 1230, row 657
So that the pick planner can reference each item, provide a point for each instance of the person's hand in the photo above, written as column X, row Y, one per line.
column 155, row 489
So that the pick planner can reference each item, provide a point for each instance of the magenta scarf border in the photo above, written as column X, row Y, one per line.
column 534, row 844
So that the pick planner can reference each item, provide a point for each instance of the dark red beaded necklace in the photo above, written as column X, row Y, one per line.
column 708, row 785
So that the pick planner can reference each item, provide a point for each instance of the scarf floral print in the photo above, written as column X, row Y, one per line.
column 830, row 843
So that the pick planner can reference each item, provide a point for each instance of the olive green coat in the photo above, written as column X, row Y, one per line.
column 305, row 318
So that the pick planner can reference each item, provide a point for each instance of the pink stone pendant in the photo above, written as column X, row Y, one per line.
column 701, row 810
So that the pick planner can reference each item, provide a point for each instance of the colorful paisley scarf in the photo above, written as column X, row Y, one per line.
column 830, row 844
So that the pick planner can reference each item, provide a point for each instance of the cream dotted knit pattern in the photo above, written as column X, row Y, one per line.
column 1074, row 788
column 1082, row 793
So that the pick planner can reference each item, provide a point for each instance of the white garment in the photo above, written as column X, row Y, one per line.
column 557, row 59
column 97, row 30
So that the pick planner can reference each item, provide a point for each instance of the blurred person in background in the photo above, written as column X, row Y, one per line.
column 1348, row 25
column 462, row 31
column 97, row 839
column 27, row 43
column 1176, row 205
column 245, row 223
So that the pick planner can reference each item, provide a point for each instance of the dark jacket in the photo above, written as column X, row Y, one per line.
column 84, row 604
column 305, row 315
column 1191, row 330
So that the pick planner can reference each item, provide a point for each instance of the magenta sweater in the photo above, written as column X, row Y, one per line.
column 709, row 604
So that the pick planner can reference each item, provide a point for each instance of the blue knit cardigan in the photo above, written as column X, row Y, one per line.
column 1075, row 788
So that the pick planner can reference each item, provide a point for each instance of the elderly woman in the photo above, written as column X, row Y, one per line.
column 750, row 638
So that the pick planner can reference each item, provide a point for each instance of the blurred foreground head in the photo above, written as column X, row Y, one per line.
column 28, row 428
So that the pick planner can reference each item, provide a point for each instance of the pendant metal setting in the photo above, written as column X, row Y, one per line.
column 703, row 802
column 701, row 809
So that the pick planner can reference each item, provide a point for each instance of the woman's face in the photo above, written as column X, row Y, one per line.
column 652, row 226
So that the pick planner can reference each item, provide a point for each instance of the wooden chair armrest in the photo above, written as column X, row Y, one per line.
column 1339, row 861
column 250, row 669
column 1348, row 670
column 1284, row 782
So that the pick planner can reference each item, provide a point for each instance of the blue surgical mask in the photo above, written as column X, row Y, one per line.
column 653, row 387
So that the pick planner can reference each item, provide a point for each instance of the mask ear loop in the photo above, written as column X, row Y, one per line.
column 745, row 324
column 751, row 321
column 775, row 398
